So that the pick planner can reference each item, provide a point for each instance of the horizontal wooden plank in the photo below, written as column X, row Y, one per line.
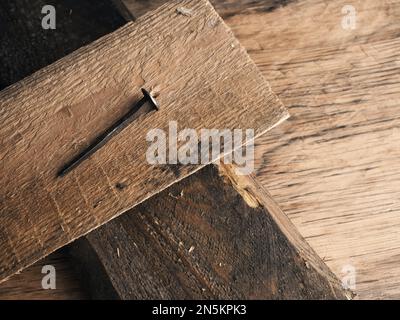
column 214, row 235
column 204, row 79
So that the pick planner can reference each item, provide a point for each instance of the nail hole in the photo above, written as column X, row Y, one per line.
column 120, row 186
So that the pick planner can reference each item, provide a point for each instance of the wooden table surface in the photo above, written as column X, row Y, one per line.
column 333, row 167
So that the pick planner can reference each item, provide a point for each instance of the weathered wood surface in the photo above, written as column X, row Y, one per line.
column 338, row 64
column 225, row 8
column 28, row 284
column 43, row 128
column 284, row 285
column 333, row 167
column 21, row 27
column 75, row 28
column 214, row 235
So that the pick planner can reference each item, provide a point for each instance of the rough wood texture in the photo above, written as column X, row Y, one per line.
column 362, row 232
column 49, row 116
column 28, row 284
column 355, row 71
column 214, row 235
column 333, row 167
column 32, row 49
column 225, row 8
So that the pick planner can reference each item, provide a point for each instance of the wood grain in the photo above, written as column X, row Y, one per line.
column 214, row 235
column 284, row 285
column 31, row 50
column 333, row 168
column 346, row 208
column 28, row 284
column 225, row 8
column 218, row 87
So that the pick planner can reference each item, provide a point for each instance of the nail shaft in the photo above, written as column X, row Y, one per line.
column 144, row 106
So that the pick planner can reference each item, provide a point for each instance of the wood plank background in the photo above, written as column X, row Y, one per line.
column 204, row 79
column 333, row 167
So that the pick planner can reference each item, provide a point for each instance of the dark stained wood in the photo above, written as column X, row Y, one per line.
column 213, row 235
column 27, row 285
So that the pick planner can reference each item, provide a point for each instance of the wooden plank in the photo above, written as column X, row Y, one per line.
column 333, row 167
column 83, row 22
column 30, row 276
column 27, row 285
column 115, row 262
column 214, row 235
column 374, row 254
column 31, row 50
column 42, row 127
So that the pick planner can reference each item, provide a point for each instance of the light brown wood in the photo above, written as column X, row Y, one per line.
column 204, row 79
column 334, row 166
column 28, row 284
